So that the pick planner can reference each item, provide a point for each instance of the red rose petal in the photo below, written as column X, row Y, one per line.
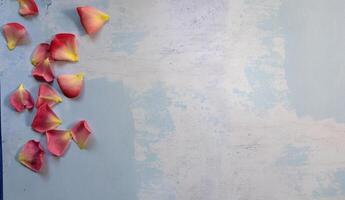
column 47, row 95
column 40, row 53
column 92, row 19
column 27, row 7
column 14, row 33
column 43, row 71
column 45, row 119
column 58, row 141
column 21, row 99
column 64, row 47
column 80, row 133
column 32, row 155
column 71, row 84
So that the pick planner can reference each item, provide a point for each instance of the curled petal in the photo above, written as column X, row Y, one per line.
column 27, row 7
column 45, row 119
column 92, row 19
column 58, row 141
column 80, row 133
column 21, row 99
column 64, row 47
column 32, row 155
column 14, row 33
column 71, row 84
column 43, row 71
column 47, row 95
column 40, row 53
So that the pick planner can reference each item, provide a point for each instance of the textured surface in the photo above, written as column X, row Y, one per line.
column 190, row 99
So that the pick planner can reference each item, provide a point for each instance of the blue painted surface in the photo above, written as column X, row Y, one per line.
column 106, row 169
column 335, row 189
column 314, row 36
column 126, row 41
column 155, row 103
column 294, row 156
column 190, row 99
column 263, row 95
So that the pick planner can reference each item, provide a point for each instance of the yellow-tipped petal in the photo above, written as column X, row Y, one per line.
column 71, row 84
column 14, row 33
column 47, row 95
column 21, row 99
column 92, row 19
column 64, row 47
column 45, row 119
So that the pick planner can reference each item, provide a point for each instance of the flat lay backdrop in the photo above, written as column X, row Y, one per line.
column 189, row 99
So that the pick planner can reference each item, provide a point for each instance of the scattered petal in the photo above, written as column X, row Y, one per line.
column 43, row 71
column 40, row 53
column 92, row 19
column 80, row 133
column 58, row 141
column 32, row 155
column 27, row 7
column 47, row 95
column 71, row 84
column 14, row 34
column 21, row 99
column 64, row 47
column 45, row 119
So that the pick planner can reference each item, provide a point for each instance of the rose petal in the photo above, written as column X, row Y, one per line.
column 64, row 47
column 21, row 99
column 92, row 19
column 27, row 7
column 71, row 84
column 40, row 53
column 58, row 141
column 45, row 119
column 80, row 133
column 47, row 95
column 32, row 155
column 14, row 33
column 43, row 71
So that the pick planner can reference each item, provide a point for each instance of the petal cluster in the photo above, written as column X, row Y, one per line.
column 14, row 34
column 32, row 155
column 62, row 47
column 21, row 99
column 92, row 19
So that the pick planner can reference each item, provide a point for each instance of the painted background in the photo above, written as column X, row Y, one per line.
column 190, row 99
